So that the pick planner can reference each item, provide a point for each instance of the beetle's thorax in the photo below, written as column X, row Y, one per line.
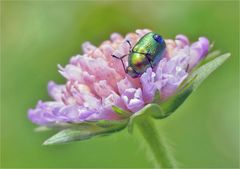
column 138, row 61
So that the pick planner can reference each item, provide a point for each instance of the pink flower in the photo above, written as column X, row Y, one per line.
column 95, row 81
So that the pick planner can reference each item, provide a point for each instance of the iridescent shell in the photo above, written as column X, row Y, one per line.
column 148, row 51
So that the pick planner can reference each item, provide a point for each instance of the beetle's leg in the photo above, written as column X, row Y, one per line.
column 129, row 43
column 149, row 60
column 121, row 58
column 187, row 68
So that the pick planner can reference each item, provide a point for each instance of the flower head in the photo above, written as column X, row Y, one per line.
column 96, row 82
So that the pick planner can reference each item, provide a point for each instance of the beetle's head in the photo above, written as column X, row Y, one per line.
column 131, row 72
column 158, row 38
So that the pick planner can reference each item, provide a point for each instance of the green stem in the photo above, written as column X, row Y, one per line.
column 157, row 144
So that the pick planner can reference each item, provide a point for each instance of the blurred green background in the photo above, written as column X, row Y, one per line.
column 37, row 35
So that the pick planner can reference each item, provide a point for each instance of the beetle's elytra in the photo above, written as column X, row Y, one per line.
column 147, row 52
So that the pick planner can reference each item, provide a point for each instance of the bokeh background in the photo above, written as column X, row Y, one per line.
column 37, row 35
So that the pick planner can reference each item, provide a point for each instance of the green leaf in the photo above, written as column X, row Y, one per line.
column 210, row 57
column 205, row 70
column 157, row 97
column 69, row 135
column 120, row 112
column 112, row 123
column 60, row 126
column 190, row 84
column 91, row 129
column 172, row 103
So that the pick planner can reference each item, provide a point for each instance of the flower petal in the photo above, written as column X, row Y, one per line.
column 133, row 99
column 148, row 85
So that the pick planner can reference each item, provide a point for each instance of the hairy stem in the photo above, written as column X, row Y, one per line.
column 157, row 144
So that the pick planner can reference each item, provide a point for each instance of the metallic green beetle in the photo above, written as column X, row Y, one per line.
column 147, row 52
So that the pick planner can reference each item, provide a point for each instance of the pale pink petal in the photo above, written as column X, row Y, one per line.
column 133, row 99
column 88, row 48
column 102, row 88
column 148, row 85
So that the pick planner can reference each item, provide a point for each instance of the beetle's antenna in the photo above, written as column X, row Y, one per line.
column 129, row 45
column 121, row 58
